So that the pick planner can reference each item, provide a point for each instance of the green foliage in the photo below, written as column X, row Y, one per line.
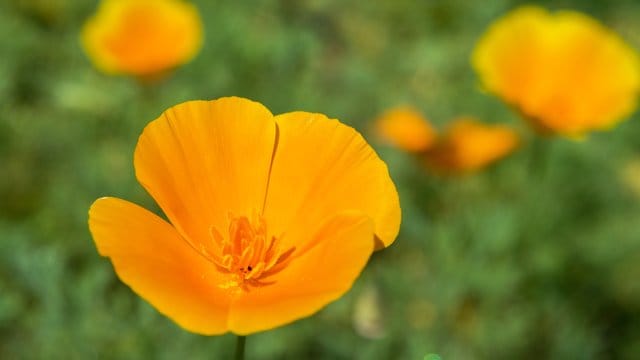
column 537, row 257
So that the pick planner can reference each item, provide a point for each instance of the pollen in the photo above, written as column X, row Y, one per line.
column 249, row 254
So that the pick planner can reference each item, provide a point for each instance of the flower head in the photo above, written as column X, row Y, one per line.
column 466, row 145
column 405, row 128
column 565, row 72
column 142, row 37
column 469, row 145
column 270, row 217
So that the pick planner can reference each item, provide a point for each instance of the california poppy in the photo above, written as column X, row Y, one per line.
column 270, row 217
column 565, row 72
column 466, row 145
column 469, row 145
column 142, row 37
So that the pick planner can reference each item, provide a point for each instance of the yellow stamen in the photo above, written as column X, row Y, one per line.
column 248, row 253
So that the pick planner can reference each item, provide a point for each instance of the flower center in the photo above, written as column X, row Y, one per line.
column 249, row 254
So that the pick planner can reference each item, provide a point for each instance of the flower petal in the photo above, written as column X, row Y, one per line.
column 313, row 278
column 322, row 167
column 511, row 63
column 407, row 129
column 469, row 145
column 151, row 257
column 204, row 160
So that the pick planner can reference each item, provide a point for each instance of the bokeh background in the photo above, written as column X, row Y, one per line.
column 537, row 257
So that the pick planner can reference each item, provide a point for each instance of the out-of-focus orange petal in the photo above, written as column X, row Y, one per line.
column 151, row 257
column 142, row 37
column 322, row 167
column 565, row 72
column 470, row 145
column 501, row 57
column 315, row 277
column 203, row 161
column 406, row 129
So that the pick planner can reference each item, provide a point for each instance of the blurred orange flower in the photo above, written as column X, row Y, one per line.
column 142, row 37
column 405, row 128
column 565, row 72
column 271, row 217
column 470, row 145
column 467, row 145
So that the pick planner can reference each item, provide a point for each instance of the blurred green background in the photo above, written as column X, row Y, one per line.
column 530, row 259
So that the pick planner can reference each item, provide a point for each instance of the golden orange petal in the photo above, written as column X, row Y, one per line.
column 203, row 161
column 469, row 145
column 322, row 167
column 406, row 129
column 150, row 257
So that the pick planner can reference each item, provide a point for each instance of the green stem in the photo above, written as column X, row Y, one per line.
column 241, row 340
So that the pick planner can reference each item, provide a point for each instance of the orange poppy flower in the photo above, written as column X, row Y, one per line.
column 142, row 37
column 405, row 128
column 270, row 217
column 470, row 145
column 565, row 72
